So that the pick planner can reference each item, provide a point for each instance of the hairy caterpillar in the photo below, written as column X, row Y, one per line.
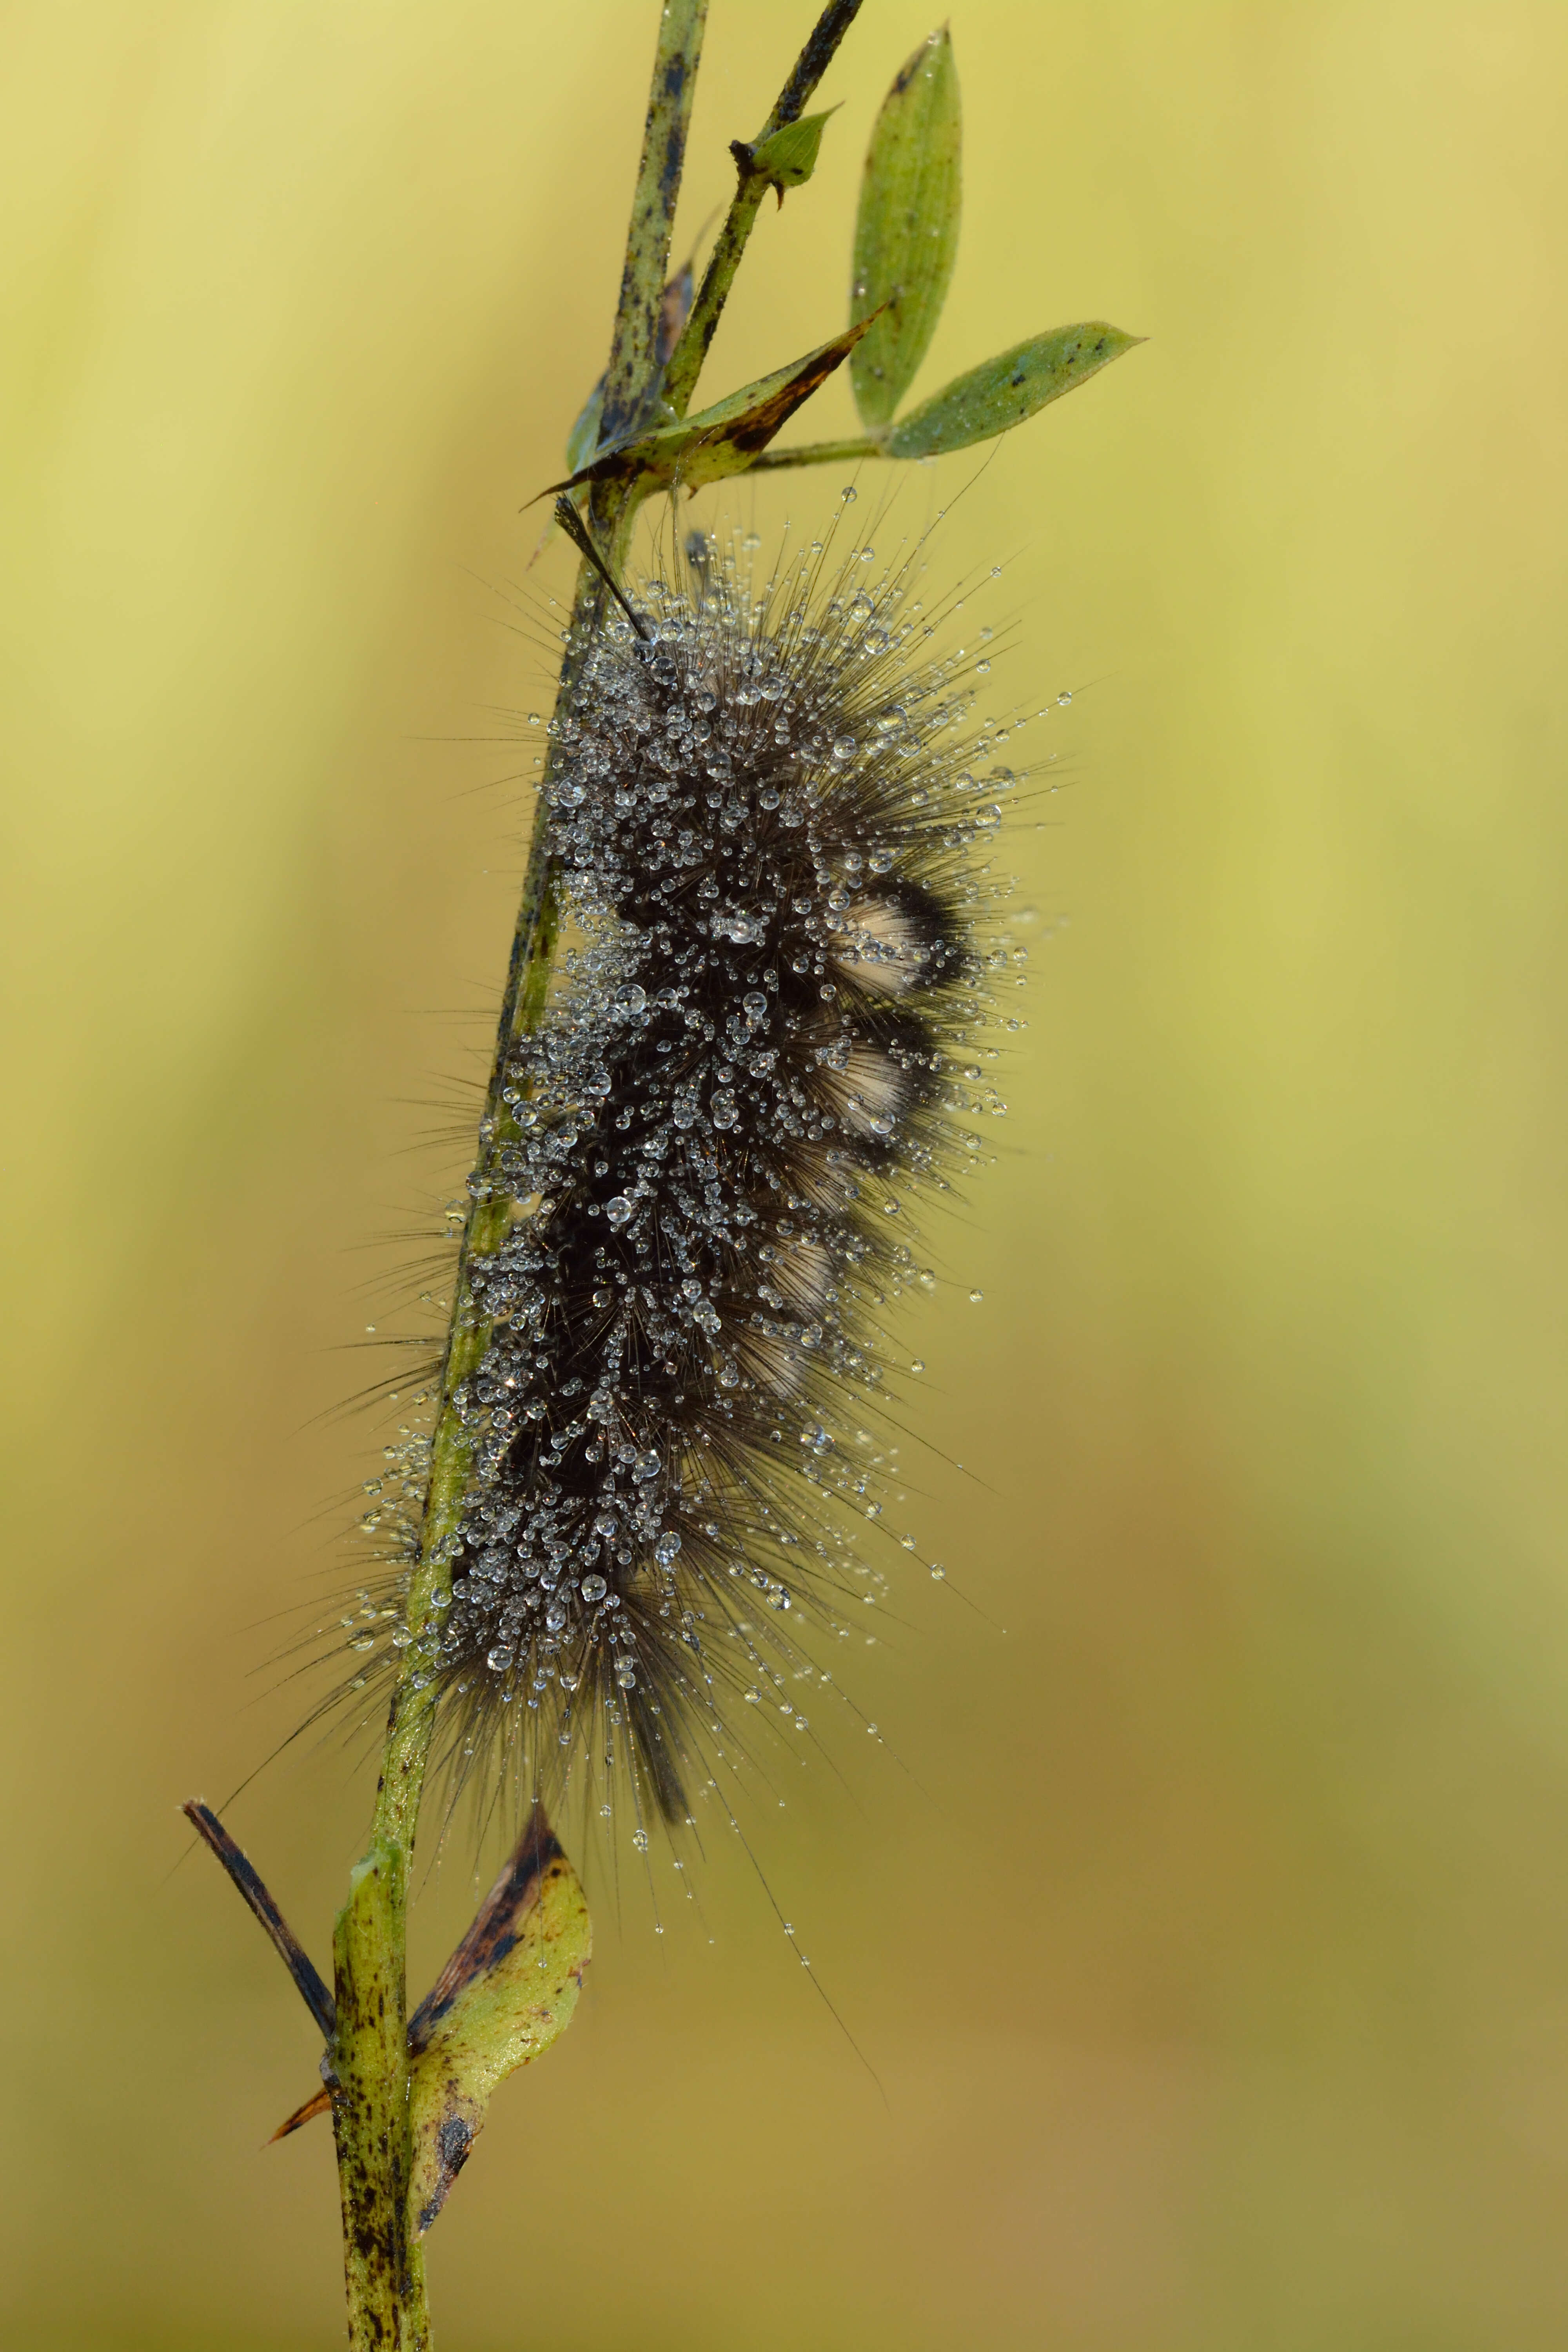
column 756, row 936
column 770, row 813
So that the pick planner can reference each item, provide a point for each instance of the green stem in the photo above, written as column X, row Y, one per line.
column 630, row 377
column 686, row 360
column 816, row 453
column 383, row 2263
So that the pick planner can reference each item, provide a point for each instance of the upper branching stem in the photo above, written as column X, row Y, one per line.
column 686, row 360
column 629, row 379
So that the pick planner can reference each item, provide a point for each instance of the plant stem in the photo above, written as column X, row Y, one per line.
column 383, row 2263
column 686, row 360
column 816, row 453
column 630, row 375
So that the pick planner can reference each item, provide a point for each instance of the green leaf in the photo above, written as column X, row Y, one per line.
column 906, row 233
column 998, row 394
column 506, row 1993
column 788, row 157
column 723, row 439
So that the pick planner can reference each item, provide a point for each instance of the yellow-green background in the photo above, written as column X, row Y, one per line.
column 1215, row 1960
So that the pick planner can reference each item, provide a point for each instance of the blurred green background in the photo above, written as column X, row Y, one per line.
column 1214, row 1961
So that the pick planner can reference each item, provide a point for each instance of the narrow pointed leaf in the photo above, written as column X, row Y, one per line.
column 1001, row 393
column 506, row 1993
column 583, row 438
column 248, row 1882
column 675, row 302
column 723, row 439
column 675, row 305
column 788, row 158
column 906, row 233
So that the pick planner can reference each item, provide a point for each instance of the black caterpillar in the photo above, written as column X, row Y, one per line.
column 769, row 815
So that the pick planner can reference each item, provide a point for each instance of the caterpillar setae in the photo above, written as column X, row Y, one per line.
column 771, row 811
